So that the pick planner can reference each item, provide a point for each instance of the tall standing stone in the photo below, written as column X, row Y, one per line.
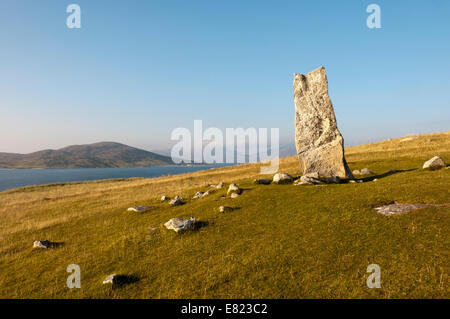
column 319, row 143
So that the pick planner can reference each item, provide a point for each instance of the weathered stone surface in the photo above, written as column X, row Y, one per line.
column 176, row 201
column 282, row 178
column 234, row 189
column 198, row 195
column 366, row 171
column 319, row 143
column 434, row 163
column 41, row 244
column 224, row 209
column 111, row 279
column 310, row 179
column 139, row 209
column 208, row 192
column 220, row 185
column 263, row 181
column 180, row 224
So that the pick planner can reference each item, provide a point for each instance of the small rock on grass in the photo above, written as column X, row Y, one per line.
column 139, row 209
column 180, row 224
column 198, row 195
column 235, row 195
column 434, row 163
column 366, row 171
column 41, row 244
column 224, row 209
column 176, row 202
column 208, row 192
column 234, row 188
column 356, row 172
column 220, row 185
column 111, row 279
column 164, row 198
column 282, row 178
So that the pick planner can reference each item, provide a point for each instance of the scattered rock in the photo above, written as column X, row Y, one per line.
column 375, row 179
column 41, row 244
column 177, row 201
column 397, row 209
column 139, row 209
column 434, row 163
column 263, row 181
column 233, row 188
column 352, row 181
column 409, row 138
column 359, row 181
column 180, row 224
column 111, row 279
column 153, row 228
column 282, row 178
column 208, row 192
column 366, row 171
column 235, row 195
column 198, row 195
column 318, row 141
column 165, row 198
column 310, row 179
column 220, row 185
column 356, row 172
column 224, row 209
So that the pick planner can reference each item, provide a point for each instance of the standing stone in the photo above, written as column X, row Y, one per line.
column 319, row 143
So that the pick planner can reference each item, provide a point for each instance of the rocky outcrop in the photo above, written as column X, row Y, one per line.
column 319, row 143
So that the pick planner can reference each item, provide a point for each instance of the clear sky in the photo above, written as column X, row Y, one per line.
column 138, row 69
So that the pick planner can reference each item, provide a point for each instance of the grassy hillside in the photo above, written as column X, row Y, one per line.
column 282, row 241
column 103, row 154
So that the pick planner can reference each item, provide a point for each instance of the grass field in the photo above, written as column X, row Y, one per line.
column 282, row 241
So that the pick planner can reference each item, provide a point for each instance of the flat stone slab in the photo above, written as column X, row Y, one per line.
column 397, row 209
column 139, row 209
column 180, row 224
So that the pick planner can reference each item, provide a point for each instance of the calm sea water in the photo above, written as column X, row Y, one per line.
column 12, row 178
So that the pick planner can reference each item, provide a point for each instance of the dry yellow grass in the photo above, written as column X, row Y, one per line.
column 89, row 211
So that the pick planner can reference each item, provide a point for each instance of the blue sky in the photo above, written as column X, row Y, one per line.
column 138, row 69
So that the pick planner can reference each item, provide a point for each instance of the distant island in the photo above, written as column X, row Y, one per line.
column 97, row 155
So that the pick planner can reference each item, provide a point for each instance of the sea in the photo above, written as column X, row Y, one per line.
column 13, row 178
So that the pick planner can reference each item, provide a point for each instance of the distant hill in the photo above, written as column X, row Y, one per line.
column 103, row 154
